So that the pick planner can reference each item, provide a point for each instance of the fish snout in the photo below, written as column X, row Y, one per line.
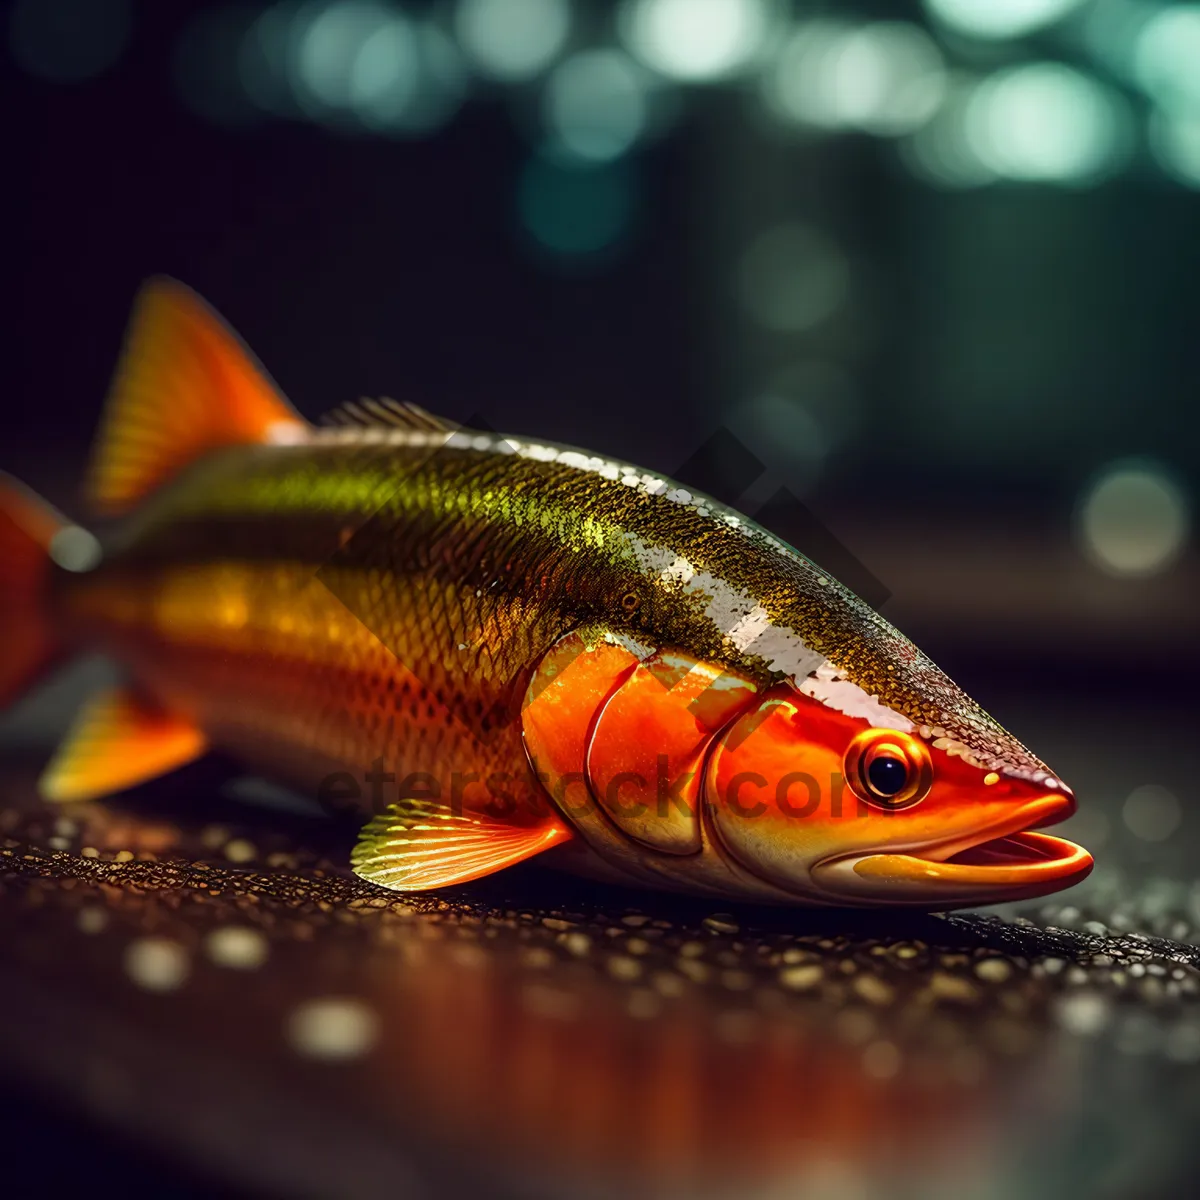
column 1002, row 860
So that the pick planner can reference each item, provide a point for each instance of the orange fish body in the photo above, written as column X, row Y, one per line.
column 492, row 647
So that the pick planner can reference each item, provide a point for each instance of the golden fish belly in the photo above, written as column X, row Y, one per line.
column 271, row 662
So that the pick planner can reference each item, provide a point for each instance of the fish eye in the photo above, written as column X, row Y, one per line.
column 888, row 769
column 887, row 774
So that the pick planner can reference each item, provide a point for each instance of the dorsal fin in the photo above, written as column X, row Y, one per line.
column 393, row 414
column 185, row 385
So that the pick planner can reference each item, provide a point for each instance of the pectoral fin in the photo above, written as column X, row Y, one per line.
column 117, row 741
column 421, row 844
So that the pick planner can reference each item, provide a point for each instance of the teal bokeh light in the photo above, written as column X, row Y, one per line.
column 576, row 211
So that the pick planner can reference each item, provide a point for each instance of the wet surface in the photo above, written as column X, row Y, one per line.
column 202, row 978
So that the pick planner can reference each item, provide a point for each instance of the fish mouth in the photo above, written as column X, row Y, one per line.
column 1007, row 861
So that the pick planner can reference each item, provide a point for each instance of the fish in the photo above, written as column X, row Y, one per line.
column 491, row 648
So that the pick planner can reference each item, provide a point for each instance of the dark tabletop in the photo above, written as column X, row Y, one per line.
column 195, row 992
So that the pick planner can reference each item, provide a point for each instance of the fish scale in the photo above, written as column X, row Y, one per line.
column 489, row 622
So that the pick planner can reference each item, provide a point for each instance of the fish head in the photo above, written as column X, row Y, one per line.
column 823, row 792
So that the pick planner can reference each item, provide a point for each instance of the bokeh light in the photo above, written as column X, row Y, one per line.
column 885, row 78
column 1166, row 58
column 353, row 65
column 385, row 82
column 262, row 61
column 797, row 85
column 75, row 549
column 793, row 277
column 512, row 40
column 783, row 430
column 376, row 66
column 1108, row 31
column 802, row 414
column 157, row 964
column 443, row 82
column 595, row 104
column 1133, row 519
column 352, row 51
column 65, row 41
column 997, row 19
column 695, row 40
column 332, row 1027
column 576, row 211
column 1175, row 144
column 828, row 391
column 1152, row 813
column 940, row 152
column 385, row 74
column 1046, row 123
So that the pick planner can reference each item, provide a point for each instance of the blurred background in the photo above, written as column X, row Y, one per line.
column 934, row 265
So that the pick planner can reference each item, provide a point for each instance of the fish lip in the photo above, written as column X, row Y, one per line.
column 927, row 876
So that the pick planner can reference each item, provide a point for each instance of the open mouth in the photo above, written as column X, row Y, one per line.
column 1020, row 850
column 1010, row 865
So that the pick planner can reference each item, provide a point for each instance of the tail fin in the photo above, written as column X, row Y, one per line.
column 28, row 647
column 185, row 385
